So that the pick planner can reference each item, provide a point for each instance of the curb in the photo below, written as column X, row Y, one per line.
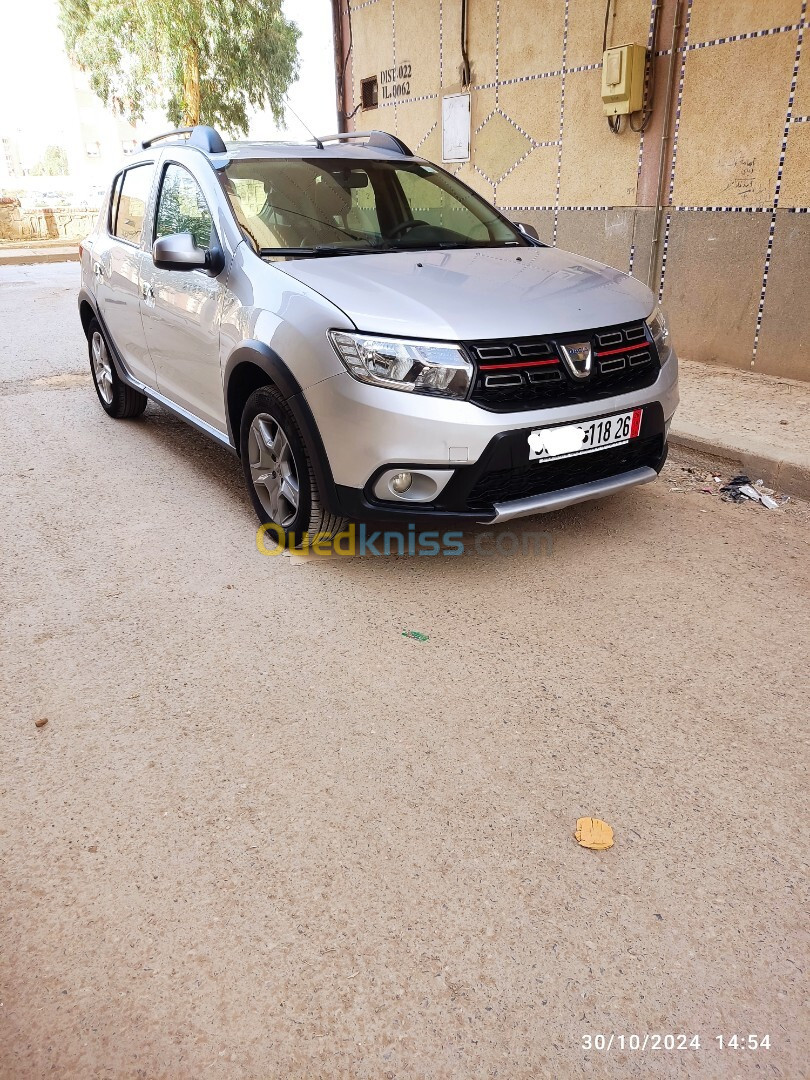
column 29, row 256
column 783, row 471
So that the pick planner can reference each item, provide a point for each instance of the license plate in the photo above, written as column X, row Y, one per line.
column 584, row 438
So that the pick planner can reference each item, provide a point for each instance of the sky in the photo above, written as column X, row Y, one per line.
column 37, row 104
column 313, row 96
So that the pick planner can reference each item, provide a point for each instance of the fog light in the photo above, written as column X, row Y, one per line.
column 401, row 482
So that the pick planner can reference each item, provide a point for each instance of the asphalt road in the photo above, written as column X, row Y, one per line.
column 265, row 835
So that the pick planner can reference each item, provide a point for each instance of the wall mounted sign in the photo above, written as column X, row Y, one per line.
column 395, row 82
column 456, row 127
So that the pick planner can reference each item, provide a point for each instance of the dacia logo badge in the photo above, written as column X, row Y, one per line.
column 578, row 357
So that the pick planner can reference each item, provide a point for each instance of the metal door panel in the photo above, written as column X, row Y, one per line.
column 181, row 324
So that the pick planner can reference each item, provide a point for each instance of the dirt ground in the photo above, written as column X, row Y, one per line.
column 264, row 835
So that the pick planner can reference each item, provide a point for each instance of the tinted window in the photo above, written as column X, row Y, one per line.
column 365, row 205
column 132, row 202
column 182, row 207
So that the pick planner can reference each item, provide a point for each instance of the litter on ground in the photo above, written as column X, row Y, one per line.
column 593, row 833
column 740, row 488
column 415, row 634
column 737, row 489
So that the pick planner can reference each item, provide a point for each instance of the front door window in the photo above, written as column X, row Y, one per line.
column 182, row 207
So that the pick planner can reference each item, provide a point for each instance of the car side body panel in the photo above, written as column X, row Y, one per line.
column 181, row 321
column 118, row 294
column 265, row 304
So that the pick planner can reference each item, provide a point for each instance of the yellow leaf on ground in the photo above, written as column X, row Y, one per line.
column 593, row 833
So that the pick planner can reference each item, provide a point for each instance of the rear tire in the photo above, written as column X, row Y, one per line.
column 278, row 472
column 117, row 399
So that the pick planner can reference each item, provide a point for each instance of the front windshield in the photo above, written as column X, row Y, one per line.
column 304, row 206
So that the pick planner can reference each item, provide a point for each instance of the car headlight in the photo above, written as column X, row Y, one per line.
column 420, row 367
column 657, row 322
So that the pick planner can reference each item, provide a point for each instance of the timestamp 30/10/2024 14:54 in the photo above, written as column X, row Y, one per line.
column 657, row 1041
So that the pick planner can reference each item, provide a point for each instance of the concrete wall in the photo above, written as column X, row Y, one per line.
column 43, row 223
column 734, row 254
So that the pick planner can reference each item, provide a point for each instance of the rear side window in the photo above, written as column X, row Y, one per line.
column 182, row 207
column 131, row 202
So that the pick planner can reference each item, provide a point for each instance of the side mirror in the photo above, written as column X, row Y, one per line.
column 178, row 251
column 527, row 230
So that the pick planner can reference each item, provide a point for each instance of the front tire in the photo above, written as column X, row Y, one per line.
column 279, row 473
column 117, row 399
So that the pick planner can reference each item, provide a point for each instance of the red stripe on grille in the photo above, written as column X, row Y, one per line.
column 518, row 363
column 626, row 349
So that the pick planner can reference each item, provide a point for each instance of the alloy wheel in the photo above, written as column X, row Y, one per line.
column 102, row 368
column 273, row 469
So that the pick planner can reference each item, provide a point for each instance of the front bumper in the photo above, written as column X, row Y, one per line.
column 367, row 430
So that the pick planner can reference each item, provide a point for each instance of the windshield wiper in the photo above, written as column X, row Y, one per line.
column 318, row 249
column 458, row 245
column 321, row 250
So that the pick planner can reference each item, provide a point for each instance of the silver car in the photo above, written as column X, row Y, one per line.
column 371, row 337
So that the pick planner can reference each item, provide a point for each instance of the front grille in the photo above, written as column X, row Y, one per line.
column 505, row 485
column 529, row 373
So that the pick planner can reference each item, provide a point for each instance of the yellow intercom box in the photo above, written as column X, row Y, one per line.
column 623, row 79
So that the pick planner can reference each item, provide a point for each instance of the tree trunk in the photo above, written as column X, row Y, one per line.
column 191, row 85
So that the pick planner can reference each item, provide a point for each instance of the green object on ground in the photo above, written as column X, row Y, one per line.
column 415, row 634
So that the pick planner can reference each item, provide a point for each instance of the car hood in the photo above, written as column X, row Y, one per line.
column 479, row 293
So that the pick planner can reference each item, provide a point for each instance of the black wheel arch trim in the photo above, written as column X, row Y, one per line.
column 278, row 373
column 86, row 297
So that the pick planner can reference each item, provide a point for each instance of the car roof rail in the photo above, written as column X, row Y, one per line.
column 203, row 137
column 380, row 139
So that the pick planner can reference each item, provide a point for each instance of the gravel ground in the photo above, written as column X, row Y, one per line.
column 264, row 835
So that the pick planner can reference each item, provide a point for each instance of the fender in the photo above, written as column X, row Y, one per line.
column 262, row 356
column 86, row 297
column 256, row 352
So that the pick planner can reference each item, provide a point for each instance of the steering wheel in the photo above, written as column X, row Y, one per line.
column 405, row 226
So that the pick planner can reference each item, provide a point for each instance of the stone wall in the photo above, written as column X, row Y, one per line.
column 733, row 256
column 43, row 223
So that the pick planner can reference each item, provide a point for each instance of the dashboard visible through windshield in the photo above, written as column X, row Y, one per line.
column 337, row 206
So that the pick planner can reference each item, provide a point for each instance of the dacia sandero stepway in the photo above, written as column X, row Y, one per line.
column 371, row 337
